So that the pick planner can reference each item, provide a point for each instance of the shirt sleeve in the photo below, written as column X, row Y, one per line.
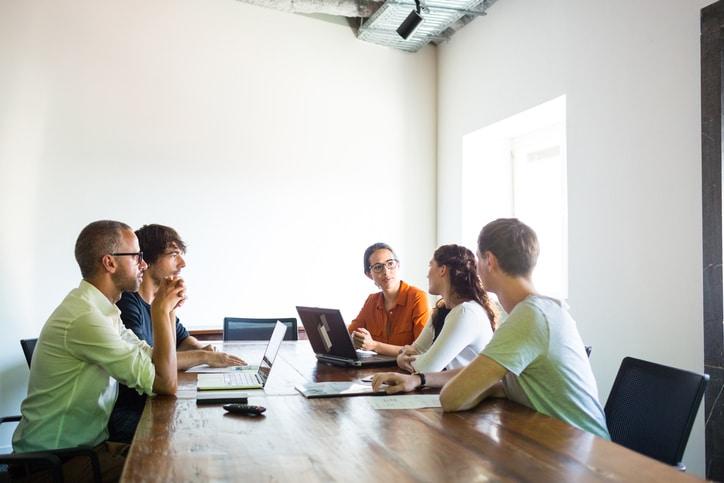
column 130, row 337
column 92, row 338
column 132, row 316
column 361, row 320
column 424, row 340
column 181, row 332
column 520, row 340
column 420, row 312
column 459, row 330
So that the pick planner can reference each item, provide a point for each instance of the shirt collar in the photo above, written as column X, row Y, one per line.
column 401, row 296
column 98, row 299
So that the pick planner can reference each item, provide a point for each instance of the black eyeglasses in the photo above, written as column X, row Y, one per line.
column 138, row 255
column 390, row 264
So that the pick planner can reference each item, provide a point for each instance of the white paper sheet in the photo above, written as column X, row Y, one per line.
column 417, row 401
column 331, row 389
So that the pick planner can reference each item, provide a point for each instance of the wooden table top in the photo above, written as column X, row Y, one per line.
column 345, row 439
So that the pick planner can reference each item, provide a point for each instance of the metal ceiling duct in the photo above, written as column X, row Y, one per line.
column 343, row 8
column 379, row 21
column 440, row 20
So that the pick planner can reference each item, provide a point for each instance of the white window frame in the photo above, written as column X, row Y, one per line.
column 491, row 158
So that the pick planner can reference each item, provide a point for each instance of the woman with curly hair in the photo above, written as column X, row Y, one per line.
column 463, row 320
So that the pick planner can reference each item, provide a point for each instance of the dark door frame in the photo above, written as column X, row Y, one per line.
column 712, row 49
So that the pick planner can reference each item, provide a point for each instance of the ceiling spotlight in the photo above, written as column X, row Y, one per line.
column 411, row 22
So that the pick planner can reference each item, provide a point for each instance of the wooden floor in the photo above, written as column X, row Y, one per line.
column 345, row 439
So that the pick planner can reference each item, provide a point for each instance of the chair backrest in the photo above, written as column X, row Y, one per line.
column 239, row 328
column 28, row 346
column 651, row 408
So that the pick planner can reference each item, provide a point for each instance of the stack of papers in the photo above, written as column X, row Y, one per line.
column 382, row 401
column 335, row 389
column 412, row 401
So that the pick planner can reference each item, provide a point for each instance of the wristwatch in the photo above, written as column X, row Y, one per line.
column 422, row 379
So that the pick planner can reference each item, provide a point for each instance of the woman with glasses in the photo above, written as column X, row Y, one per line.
column 463, row 320
column 393, row 317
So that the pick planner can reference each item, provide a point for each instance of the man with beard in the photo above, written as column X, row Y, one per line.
column 163, row 251
column 84, row 351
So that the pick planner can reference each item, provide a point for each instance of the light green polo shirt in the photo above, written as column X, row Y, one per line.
column 82, row 353
column 539, row 344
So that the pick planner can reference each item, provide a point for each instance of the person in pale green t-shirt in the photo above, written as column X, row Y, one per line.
column 547, row 365
column 84, row 350
column 536, row 356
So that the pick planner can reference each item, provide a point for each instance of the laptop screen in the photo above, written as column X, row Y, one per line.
column 327, row 332
column 271, row 351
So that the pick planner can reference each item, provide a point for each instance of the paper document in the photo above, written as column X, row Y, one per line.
column 405, row 402
column 207, row 369
column 333, row 389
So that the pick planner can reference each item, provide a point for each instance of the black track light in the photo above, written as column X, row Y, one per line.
column 410, row 23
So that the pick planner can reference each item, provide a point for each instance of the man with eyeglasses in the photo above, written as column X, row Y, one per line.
column 163, row 251
column 84, row 351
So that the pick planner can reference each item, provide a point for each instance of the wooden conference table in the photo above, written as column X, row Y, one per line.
column 344, row 439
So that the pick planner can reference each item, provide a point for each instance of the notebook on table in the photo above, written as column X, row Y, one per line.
column 245, row 379
column 337, row 389
column 221, row 397
column 331, row 341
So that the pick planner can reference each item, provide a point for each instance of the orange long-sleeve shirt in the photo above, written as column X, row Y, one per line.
column 399, row 326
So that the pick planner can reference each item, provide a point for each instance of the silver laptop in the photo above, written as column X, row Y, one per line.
column 245, row 379
column 331, row 341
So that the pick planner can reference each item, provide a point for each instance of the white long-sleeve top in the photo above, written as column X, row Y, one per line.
column 463, row 336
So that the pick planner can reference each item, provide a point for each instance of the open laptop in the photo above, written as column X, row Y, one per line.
column 245, row 379
column 331, row 341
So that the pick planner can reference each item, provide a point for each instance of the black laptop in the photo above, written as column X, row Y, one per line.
column 332, row 343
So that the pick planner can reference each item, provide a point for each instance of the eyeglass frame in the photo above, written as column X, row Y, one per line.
column 390, row 264
column 138, row 255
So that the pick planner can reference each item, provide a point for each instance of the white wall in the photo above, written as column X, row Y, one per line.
column 630, row 71
column 278, row 145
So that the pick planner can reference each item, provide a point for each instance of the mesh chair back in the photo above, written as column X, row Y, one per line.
column 28, row 346
column 49, row 461
column 239, row 328
column 652, row 407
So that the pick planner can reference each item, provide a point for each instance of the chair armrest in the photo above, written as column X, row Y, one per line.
column 36, row 456
column 49, row 460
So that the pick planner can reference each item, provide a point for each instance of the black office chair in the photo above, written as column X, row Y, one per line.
column 23, row 464
column 651, row 408
column 239, row 328
column 28, row 346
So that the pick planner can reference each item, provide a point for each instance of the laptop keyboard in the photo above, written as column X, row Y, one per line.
column 240, row 378
column 370, row 356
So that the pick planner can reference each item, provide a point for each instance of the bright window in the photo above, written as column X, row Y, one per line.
column 517, row 168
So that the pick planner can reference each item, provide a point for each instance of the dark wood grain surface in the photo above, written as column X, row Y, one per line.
column 345, row 439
